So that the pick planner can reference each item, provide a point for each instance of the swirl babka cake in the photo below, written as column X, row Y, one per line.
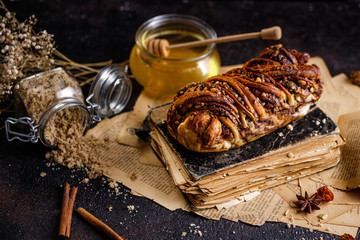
column 229, row 110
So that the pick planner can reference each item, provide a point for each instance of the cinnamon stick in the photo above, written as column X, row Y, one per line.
column 65, row 202
column 98, row 224
column 66, row 210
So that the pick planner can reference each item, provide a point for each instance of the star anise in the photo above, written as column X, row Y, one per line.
column 307, row 204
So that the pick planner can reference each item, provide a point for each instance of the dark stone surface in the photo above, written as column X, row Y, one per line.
column 91, row 31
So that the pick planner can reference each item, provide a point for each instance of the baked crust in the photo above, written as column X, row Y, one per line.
column 244, row 104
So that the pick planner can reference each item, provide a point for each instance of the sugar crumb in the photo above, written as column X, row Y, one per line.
column 85, row 180
column 130, row 207
column 133, row 176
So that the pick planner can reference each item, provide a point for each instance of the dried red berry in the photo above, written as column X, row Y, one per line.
column 346, row 236
column 325, row 194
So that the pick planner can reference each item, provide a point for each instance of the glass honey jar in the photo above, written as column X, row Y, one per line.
column 169, row 74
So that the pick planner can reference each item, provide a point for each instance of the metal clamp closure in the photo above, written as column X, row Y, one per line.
column 32, row 136
column 92, row 107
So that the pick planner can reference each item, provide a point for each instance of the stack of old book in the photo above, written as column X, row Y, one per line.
column 306, row 146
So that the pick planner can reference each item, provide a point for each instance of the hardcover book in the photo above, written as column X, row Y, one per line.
column 305, row 146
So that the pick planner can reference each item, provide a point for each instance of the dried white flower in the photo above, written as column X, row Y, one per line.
column 24, row 50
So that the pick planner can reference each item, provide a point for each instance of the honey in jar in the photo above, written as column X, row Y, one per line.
column 169, row 74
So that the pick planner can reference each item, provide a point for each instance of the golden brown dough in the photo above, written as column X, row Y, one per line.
column 244, row 104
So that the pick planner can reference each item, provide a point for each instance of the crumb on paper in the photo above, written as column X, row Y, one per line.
column 290, row 127
column 200, row 233
column 286, row 212
column 133, row 176
column 280, row 134
column 323, row 121
column 110, row 208
column 317, row 122
column 323, row 216
column 183, row 234
column 290, row 155
column 42, row 174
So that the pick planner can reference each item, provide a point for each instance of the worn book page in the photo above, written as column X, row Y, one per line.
column 342, row 203
column 346, row 88
column 147, row 156
column 123, row 166
column 346, row 175
column 326, row 227
column 270, row 207
column 135, row 119
column 249, row 212
column 341, row 101
column 349, row 218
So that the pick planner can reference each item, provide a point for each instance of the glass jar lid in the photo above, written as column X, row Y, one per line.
column 110, row 91
column 171, row 25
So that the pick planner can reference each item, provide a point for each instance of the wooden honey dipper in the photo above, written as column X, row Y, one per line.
column 161, row 47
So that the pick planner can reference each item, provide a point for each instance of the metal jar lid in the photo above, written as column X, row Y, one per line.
column 110, row 91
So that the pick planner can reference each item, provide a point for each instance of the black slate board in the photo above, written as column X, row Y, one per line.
column 202, row 164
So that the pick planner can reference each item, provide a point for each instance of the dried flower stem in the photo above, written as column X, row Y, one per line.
column 24, row 52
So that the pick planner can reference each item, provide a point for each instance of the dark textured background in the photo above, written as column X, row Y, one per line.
column 92, row 31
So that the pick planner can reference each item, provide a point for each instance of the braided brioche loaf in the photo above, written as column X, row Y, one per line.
column 244, row 104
